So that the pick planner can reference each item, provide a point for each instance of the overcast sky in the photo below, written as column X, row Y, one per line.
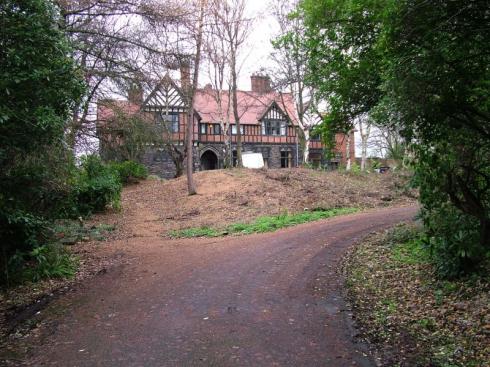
column 258, row 48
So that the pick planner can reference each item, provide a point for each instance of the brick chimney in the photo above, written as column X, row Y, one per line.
column 261, row 84
column 185, row 76
column 135, row 94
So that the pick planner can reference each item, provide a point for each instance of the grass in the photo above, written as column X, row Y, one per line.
column 71, row 231
column 262, row 224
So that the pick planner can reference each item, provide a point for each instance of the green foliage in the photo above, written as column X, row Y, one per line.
column 38, row 87
column 196, row 232
column 355, row 169
column 456, row 228
column 96, row 187
column 47, row 261
column 128, row 171
column 375, row 164
column 422, row 68
column 263, row 224
column 70, row 231
column 126, row 136
column 38, row 82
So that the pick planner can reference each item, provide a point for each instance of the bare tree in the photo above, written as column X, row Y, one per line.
column 218, row 55
column 290, row 68
column 387, row 142
column 189, row 35
column 233, row 27
column 114, row 43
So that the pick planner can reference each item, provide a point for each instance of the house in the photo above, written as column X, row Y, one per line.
column 268, row 125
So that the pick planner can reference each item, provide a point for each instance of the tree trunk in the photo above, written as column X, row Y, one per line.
column 347, row 148
column 191, row 186
column 179, row 170
column 364, row 131
column 235, row 108
column 226, row 149
column 306, row 154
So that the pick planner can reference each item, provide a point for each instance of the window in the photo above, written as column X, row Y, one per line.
column 274, row 127
column 216, row 129
column 234, row 131
column 315, row 136
column 203, row 129
column 285, row 159
column 169, row 121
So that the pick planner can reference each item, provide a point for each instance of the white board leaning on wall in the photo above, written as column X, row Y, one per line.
column 252, row 160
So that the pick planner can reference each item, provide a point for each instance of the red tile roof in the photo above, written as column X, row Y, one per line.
column 251, row 106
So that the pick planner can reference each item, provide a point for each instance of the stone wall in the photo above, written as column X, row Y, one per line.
column 160, row 163
column 270, row 152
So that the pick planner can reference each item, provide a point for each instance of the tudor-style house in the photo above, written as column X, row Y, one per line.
column 268, row 125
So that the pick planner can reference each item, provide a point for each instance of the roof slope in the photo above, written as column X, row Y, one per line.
column 251, row 106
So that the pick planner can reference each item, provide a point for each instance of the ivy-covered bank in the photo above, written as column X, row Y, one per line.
column 409, row 315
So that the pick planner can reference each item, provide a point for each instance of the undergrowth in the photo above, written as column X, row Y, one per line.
column 262, row 224
column 414, row 317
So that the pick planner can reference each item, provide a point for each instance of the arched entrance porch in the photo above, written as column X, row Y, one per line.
column 209, row 160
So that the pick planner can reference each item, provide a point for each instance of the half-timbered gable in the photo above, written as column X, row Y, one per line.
column 274, row 122
column 167, row 104
column 268, row 124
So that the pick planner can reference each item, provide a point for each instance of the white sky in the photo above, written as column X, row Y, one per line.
column 258, row 48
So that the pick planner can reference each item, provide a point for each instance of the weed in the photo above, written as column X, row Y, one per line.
column 263, row 224
column 47, row 261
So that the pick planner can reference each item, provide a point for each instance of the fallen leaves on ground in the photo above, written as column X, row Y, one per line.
column 411, row 317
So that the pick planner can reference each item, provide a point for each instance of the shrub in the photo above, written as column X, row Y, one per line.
column 454, row 241
column 96, row 187
column 128, row 171
column 21, row 231
column 455, row 194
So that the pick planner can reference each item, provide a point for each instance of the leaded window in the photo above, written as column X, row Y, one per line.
column 234, row 130
column 169, row 121
column 216, row 129
column 274, row 127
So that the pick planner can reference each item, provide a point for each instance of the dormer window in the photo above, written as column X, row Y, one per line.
column 274, row 127
column 274, row 122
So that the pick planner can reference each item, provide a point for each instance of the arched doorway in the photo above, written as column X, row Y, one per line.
column 209, row 161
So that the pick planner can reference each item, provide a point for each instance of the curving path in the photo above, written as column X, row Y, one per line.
column 272, row 299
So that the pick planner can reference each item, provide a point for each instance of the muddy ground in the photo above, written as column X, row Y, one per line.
column 228, row 196
column 153, row 207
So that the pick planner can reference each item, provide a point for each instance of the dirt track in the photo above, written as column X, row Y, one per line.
column 262, row 300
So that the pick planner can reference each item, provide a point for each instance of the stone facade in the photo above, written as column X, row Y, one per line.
column 268, row 125
column 160, row 163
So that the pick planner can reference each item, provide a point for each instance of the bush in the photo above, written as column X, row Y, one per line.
column 129, row 171
column 454, row 241
column 96, row 187
column 455, row 195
